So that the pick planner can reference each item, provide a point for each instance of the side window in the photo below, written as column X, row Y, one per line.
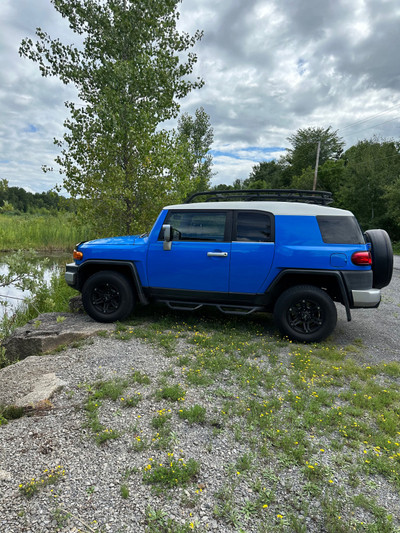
column 340, row 230
column 253, row 226
column 197, row 225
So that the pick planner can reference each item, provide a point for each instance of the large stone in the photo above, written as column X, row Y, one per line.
column 48, row 332
column 43, row 389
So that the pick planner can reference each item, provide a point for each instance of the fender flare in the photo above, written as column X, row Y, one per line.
column 110, row 265
column 299, row 273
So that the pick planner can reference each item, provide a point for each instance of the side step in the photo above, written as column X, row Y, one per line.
column 224, row 308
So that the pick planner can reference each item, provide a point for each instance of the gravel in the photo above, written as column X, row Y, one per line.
column 90, row 490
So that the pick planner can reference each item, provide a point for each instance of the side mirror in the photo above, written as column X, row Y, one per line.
column 167, row 244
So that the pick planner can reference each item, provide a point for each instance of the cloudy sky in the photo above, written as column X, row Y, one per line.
column 270, row 67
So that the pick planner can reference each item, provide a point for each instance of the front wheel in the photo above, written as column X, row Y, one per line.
column 305, row 314
column 107, row 296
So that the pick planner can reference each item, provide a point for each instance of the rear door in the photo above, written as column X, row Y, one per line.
column 252, row 250
column 200, row 253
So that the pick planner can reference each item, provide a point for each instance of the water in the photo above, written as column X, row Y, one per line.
column 11, row 297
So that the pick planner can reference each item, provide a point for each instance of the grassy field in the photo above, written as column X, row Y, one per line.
column 314, row 432
column 319, row 432
column 41, row 232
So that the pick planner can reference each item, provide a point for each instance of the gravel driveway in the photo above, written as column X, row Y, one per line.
column 89, row 498
column 377, row 329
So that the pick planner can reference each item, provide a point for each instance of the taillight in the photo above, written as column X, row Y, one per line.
column 77, row 255
column 361, row 258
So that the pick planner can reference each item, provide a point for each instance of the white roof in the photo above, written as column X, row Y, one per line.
column 276, row 208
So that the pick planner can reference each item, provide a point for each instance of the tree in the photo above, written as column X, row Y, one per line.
column 392, row 199
column 304, row 148
column 198, row 134
column 268, row 175
column 330, row 177
column 23, row 272
column 130, row 75
column 371, row 173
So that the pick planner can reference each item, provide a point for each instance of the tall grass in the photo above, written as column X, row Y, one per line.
column 51, row 298
column 41, row 232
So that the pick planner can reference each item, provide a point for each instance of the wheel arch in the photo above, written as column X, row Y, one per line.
column 127, row 268
column 329, row 281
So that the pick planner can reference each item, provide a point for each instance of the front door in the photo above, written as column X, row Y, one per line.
column 199, row 256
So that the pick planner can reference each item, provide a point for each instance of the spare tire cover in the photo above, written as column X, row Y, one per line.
column 382, row 257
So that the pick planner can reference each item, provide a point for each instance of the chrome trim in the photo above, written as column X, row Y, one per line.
column 217, row 254
column 70, row 278
column 366, row 298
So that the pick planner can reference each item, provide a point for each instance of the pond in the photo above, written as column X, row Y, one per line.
column 11, row 297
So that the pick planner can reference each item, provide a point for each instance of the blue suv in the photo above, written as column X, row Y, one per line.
column 281, row 251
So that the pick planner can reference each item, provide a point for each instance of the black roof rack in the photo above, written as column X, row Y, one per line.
column 253, row 195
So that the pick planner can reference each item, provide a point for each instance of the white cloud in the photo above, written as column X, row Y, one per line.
column 270, row 68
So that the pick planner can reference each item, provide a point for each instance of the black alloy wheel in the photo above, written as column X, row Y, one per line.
column 305, row 313
column 107, row 296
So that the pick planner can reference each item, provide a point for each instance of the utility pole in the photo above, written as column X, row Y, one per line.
column 316, row 166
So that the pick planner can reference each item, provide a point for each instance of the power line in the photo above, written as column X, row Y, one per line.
column 375, row 125
column 369, row 118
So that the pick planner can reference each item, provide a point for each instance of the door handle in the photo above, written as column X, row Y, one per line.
column 217, row 254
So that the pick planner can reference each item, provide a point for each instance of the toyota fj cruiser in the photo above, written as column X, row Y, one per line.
column 280, row 251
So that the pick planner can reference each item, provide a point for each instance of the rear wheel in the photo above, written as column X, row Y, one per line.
column 382, row 257
column 305, row 313
column 107, row 296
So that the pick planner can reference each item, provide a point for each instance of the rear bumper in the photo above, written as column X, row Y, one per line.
column 366, row 298
column 360, row 289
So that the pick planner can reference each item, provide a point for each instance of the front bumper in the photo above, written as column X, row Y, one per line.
column 366, row 298
column 71, row 275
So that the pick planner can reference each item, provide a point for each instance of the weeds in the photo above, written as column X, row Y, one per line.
column 49, row 477
column 171, row 473
column 194, row 415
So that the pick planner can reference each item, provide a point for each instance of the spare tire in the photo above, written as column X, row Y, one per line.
column 382, row 257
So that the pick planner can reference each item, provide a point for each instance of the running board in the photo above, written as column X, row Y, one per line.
column 182, row 306
column 238, row 309
column 224, row 308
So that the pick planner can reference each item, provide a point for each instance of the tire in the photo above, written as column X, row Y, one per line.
column 107, row 296
column 305, row 313
column 382, row 257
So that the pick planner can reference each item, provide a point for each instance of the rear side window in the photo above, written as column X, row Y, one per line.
column 340, row 230
column 253, row 226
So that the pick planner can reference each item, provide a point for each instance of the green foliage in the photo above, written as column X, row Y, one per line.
column 159, row 522
column 10, row 412
column 16, row 200
column 392, row 198
column 53, row 297
column 23, row 271
column 173, row 393
column 304, row 144
column 198, row 134
column 49, row 477
column 371, row 173
column 195, row 414
column 130, row 74
column 42, row 232
column 172, row 473
column 364, row 179
column 269, row 175
column 124, row 491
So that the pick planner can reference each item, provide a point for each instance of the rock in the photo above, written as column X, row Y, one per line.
column 44, row 388
column 76, row 305
column 5, row 476
column 48, row 332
